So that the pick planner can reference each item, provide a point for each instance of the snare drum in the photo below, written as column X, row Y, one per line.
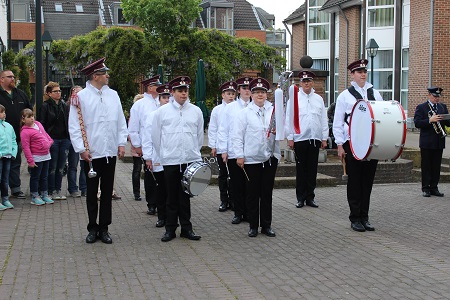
column 196, row 178
column 377, row 130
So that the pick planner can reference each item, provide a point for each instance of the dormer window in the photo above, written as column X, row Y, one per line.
column 119, row 19
column 79, row 8
column 219, row 15
column 58, row 7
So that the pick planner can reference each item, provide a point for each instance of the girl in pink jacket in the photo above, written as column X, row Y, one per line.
column 36, row 147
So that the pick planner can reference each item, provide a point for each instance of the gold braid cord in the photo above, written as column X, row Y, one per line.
column 83, row 131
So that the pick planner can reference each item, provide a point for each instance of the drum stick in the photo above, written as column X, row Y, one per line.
column 248, row 179
column 344, row 166
column 228, row 171
column 148, row 170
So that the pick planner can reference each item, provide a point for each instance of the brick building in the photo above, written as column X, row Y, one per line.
column 412, row 51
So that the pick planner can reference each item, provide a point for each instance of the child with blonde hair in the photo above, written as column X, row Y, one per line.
column 8, row 151
column 36, row 145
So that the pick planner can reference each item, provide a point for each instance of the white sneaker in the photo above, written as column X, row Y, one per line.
column 61, row 197
column 76, row 194
column 56, row 195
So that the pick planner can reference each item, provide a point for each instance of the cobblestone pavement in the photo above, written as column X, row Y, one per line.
column 315, row 254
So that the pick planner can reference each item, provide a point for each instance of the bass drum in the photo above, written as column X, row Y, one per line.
column 196, row 178
column 377, row 130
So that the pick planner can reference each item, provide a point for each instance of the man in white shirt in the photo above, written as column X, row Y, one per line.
column 138, row 113
column 177, row 136
column 100, row 136
column 228, row 90
column 258, row 154
column 152, row 161
column 313, row 136
column 360, row 173
column 228, row 155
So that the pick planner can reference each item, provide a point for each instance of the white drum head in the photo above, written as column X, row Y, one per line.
column 361, row 129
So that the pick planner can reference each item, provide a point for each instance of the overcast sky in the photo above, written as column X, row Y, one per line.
column 280, row 8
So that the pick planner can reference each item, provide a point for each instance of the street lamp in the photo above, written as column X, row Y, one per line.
column 372, row 49
column 2, row 50
column 46, row 44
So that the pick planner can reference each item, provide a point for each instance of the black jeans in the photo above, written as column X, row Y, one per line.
column 260, row 188
column 136, row 176
column 105, row 168
column 178, row 205
column 359, row 185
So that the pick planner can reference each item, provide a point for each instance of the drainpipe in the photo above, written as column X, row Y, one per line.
column 290, row 45
column 430, row 65
column 346, row 56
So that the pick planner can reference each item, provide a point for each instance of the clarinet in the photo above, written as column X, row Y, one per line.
column 436, row 125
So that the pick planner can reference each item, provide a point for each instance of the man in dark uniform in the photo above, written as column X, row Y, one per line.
column 14, row 100
column 427, row 117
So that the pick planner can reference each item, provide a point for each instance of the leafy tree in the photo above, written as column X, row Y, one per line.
column 19, row 66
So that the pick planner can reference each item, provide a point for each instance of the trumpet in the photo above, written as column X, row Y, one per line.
column 436, row 125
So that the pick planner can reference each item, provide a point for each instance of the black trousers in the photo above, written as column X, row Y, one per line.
column 105, row 168
column 260, row 188
column 359, row 185
column 136, row 175
column 238, row 187
column 430, row 163
column 178, row 205
column 150, row 187
column 224, row 183
column 160, row 195
column 306, row 158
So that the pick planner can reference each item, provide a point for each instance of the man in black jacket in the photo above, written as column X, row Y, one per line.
column 428, row 117
column 14, row 100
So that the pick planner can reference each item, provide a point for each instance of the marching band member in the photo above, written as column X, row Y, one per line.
column 257, row 156
column 226, row 125
column 106, row 134
column 228, row 90
column 313, row 135
column 360, row 173
column 432, row 142
column 152, row 161
column 177, row 136
column 138, row 113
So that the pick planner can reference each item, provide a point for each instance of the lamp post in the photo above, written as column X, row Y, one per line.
column 46, row 44
column 372, row 49
column 2, row 50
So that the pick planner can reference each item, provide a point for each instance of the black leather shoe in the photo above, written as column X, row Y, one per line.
column 190, row 235
column 426, row 193
column 300, row 204
column 253, row 232
column 268, row 231
column 223, row 206
column 104, row 237
column 137, row 198
column 311, row 203
column 168, row 236
column 230, row 206
column 357, row 226
column 160, row 223
column 91, row 237
column 236, row 220
column 368, row 226
column 151, row 211
column 436, row 193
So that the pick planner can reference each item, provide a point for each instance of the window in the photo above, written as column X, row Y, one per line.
column 79, row 8
column 221, row 18
column 58, row 7
column 380, row 13
column 404, row 80
column 383, row 71
column 318, row 22
column 19, row 12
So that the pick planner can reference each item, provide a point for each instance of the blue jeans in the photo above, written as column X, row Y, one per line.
column 39, row 178
column 14, row 172
column 58, row 151
column 5, row 164
column 73, row 160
